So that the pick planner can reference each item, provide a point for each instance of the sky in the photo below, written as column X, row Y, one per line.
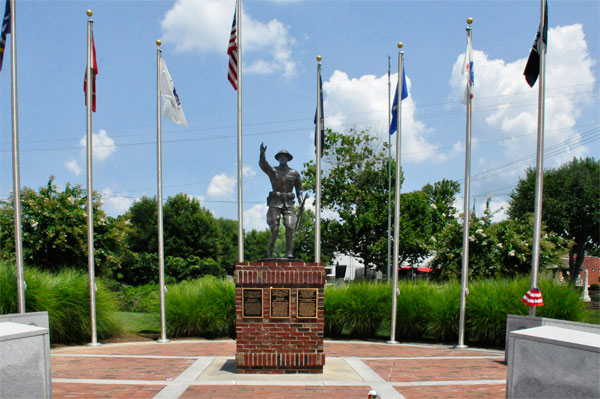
column 281, row 40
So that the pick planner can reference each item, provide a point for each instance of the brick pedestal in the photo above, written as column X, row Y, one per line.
column 285, row 337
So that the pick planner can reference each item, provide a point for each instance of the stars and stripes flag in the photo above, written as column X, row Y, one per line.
column 5, row 31
column 232, row 51
column 94, row 73
column 533, row 297
column 532, row 69
column 467, row 69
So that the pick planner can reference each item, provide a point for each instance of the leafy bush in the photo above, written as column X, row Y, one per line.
column 143, row 298
column 201, row 308
column 66, row 298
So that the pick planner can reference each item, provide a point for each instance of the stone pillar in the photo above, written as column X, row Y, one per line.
column 279, row 317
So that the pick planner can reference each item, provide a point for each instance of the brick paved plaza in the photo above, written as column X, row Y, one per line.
column 206, row 369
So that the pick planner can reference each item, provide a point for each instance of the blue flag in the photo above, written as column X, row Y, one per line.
column 5, row 31
column 322, row 118
column 394, row 124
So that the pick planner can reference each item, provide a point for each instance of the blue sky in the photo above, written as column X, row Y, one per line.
column 281, row 41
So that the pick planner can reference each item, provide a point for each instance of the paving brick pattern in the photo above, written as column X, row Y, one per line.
column 173, row 370
column 118, row 368
column 101, row 391
column 497, row 391
column 409, row 370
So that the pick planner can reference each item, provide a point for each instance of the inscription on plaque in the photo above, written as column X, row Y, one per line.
column 307, row 303
column 280, row 303
column 252, row 303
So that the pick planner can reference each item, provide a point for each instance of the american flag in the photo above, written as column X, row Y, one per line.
column 232, row 51
column 533, row 297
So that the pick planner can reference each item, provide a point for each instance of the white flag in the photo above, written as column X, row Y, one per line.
column 171, row 108
column 467, row 69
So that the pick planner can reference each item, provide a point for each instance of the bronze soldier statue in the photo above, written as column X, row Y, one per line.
column 281, row 200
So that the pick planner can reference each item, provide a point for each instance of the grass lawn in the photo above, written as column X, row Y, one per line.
column 136, row 323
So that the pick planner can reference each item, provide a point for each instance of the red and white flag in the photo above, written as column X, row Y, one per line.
column 533, row 297
column 232, row 51
column 94, row 73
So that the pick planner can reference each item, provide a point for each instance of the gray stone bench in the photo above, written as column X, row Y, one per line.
column 552, row 362
column 24, row 361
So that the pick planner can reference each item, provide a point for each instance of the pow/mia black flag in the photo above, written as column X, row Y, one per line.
column 532, row 69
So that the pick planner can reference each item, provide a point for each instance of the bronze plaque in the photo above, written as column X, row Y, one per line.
column 280, row 303
column 252, row 303
column 307, row 303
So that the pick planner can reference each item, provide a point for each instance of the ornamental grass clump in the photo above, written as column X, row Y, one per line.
column 201, row 308
column 335, row 296
column 411, row 309
column 364, row 308
column 442, row 311
column 66, row 298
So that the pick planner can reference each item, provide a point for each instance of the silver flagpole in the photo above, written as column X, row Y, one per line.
column 318, row 165
column 389, row 233
column 16, row 166
column 539, row 163
column 395, row 292
column 161, row 242
column 90, row 187
column 240, row 171
column 464, row 291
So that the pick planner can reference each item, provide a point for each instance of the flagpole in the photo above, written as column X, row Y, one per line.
column 161, row 242
column 240, row 170
column 464, row 291
column 318, row 166
column 389, row 231
column 21, row 287
column 539, row 172
column 91, row 88
column 397, row 198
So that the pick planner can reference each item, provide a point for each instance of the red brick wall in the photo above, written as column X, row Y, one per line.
column 279, row 345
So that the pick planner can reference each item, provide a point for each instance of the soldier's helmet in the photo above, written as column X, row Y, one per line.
column 284, row 153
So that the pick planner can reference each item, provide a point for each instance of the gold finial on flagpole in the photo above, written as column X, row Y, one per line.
column 469, row 20
column 158, row 42
column 400, row 45
column 89, row 13
column 319, row 58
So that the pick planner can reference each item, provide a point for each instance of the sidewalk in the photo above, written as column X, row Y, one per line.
column 206, row 369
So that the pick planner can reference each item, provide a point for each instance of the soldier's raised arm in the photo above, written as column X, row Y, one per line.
column 262, row 162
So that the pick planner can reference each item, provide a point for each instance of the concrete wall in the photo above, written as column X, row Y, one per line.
column 515, row 322
column 24, row 361
column 37, row 319
column 552, row 362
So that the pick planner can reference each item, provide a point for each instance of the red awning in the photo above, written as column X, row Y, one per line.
column 425, row 269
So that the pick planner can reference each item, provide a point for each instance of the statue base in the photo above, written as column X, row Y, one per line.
column 279, row 316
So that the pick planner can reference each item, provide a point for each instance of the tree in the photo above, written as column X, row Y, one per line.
column 354, row 188
column 570, row 206
column 54, row 226
column 495, row 249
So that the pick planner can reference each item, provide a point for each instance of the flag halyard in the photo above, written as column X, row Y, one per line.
column 532, row 69
column 232, row 51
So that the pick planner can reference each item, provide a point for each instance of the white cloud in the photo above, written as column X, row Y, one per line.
column 248, row 171
column 255, row 218
column 204, row 26
column 221, row 186
column 73, row 166
column 115, row 205
column 352, row 102
column 102, row 145
column 510, row 105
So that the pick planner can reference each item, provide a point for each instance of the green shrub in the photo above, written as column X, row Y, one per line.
column 201, row 308
column 66, row 298
column 442, row 311
column 143, row 298
column 334, row 298
column 365, row 307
